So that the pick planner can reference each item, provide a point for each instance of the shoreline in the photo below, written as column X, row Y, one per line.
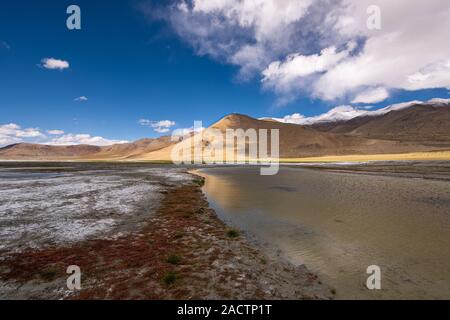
column 317, row 213
column 184, row 251
column 435, row 155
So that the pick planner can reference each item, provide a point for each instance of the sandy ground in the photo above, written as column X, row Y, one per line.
column 180, row 251
column 414, row 156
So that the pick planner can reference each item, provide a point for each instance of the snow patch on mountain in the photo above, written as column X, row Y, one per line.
column 348, row 112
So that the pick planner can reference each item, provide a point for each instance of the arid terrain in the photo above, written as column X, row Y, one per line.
column 420, row 129
column 136, row 232
column 145, row 230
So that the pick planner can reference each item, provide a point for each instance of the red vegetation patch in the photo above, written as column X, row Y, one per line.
column 132, row 266
column 209, row 263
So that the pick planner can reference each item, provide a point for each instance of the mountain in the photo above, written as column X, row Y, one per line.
column 125, row 151
column 400, row 128
column 346, row 113
column 413, row 127
column 133, row 150
column 295, row 141
column 299, row 141
column 419, row 123
column 29, row 151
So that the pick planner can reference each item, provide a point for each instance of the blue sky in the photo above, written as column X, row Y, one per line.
column 133, row 60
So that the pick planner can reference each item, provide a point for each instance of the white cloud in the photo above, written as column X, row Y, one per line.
column 9, row 128
column 7, row 140
column 55, row 132
column 144, row 122
column 161, row 126
column 336, row 114
column 372, row 96
column 55, row 64
column 187, row 131
column 247, row 33
column 265, row 16
column 15, row 130
column 74, row 139
column 295, row 45
column 297, row 65
column 13, row 133
column 283, row 75
column 29, row 133
column 407, row 53
column 82, row 98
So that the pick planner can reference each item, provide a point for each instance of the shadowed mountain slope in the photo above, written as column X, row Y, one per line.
column 29, row 151
column 419, row 123
column 418, row 128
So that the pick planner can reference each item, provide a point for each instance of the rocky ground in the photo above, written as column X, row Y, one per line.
column 182, row 251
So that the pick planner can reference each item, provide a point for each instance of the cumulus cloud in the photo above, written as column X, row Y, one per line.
column 54, row 64
column 82, row 98
column 55, row 132
column 284, row 76
column 372, row 96
column 4, row 141
column 295, row 46
column 407, row 53
column 74, row 139
column 161, row 126
column 187, row 131
column 13, row 133
column 297, row 65
column 248, row 33
column 14, row 130
column 265, row 16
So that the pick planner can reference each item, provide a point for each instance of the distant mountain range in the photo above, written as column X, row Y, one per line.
column 123, row 151
column 345, row 112
column 413, row 127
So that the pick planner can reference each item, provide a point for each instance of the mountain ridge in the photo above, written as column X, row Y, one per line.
column 417, row 128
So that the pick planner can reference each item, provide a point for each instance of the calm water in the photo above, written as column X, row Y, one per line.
column 340, row 223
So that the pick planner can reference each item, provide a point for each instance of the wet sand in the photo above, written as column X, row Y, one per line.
column 339, row 219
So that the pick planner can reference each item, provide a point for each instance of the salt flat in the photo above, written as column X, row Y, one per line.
column 42, row 206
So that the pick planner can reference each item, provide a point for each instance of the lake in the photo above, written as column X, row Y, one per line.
column 339, row 223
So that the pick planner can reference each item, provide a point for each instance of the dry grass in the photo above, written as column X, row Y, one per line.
column 417, row 156
column 412, row 156
column 163, row 157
